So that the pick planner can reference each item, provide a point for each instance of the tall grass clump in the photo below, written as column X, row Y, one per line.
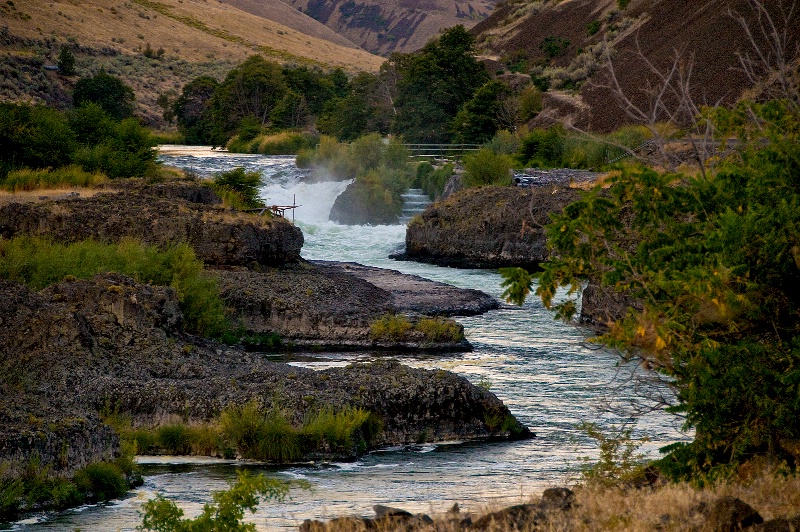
column 39, row 262
column 486, row 167
column 334, row 429
column 261, row 435
column 440, row 329
column 390, row 327
column 64, row 177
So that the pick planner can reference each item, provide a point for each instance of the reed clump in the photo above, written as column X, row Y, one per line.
column 253, row 432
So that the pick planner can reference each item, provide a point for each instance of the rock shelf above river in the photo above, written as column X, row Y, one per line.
column 81, row 345
column 336, row 304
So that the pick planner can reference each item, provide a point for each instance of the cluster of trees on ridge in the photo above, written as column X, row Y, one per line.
column 439, row 94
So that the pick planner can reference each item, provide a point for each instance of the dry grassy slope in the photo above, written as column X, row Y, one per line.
column 385, row 26
column 199, row 37
column 704, row 30
column 194, row 30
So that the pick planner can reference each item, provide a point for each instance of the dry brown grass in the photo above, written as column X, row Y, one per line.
column 194, row 30
column 668, row 508
column 31, row 196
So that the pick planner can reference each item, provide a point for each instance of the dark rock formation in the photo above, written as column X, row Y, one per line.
column 357, row 206
column 160, row 214
column 411, row 293
column 486, row 227
column 79, row 346
column 335, row 304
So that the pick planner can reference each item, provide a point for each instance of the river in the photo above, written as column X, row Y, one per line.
column 544, row 370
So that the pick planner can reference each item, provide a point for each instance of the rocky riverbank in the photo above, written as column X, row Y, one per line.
column 79, row 346
column 587, row 509
column 486, row 227
column 81, row 350
column 337, row 305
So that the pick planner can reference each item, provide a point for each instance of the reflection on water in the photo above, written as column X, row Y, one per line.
column 542, row 369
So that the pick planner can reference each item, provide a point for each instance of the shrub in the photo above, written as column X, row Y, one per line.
column 335, row 429
column 554, row 46
column 487, row 168
column 433, row 180
column 239, row 188
column 174, row 438
column 127, row 152
column 543, row 148
column 593, row 27
column 225, row 513
column 440, row 329
column 33, row 137
column 390, row 327
column 618, row 462
column 64, row 177
column 101, row 481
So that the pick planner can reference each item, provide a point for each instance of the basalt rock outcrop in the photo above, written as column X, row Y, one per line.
column 487, row 227
column 160, row 214
column 78, row 346
column 333, row 304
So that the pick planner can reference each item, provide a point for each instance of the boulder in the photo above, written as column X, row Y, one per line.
column 486, row 227
column 729, row 514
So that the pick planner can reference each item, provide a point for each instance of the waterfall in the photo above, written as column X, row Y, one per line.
column 314, row 200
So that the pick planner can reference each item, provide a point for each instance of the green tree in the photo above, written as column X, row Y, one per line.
column 224, row 514
column 359, row 111
column 33, row 137
column 193, row 110
column 107, row 91
column 713, row 265
column 253, row 88
column 66, row 61
column 434, row 83
column 481, row 117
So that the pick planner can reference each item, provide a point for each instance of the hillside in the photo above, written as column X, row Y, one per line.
column 154, row 46
column 385, row 26
column 567, row 42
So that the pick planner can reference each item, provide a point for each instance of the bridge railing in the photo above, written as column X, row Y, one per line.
column 441, row 151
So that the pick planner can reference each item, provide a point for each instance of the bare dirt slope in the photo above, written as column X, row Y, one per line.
column 385, row 26
column 703, row 33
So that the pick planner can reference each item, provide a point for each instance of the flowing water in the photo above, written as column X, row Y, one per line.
column 544, row 370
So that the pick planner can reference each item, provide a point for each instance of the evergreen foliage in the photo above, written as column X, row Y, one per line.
column 434, row 83
column 66, row 62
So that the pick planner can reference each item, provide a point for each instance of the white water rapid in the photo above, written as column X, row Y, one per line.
column 542, row 369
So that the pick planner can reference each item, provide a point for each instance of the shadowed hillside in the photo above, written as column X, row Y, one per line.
column 385, row 26
column 570, row 43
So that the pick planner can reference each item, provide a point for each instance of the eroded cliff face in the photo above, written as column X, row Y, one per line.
column 487, row 227
column 160, row 214
column 79, row 346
